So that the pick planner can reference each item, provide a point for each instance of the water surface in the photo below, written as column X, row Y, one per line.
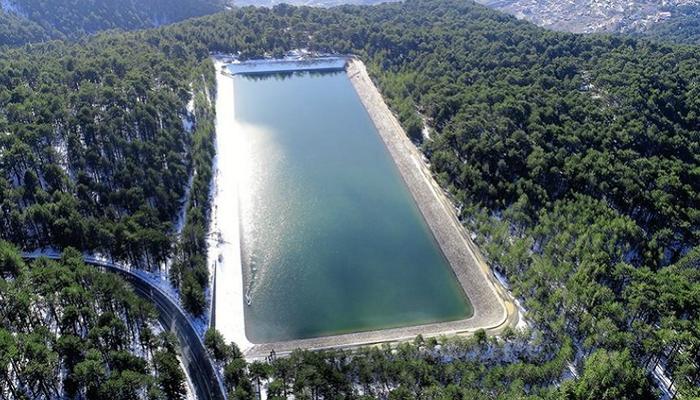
column 332, row 239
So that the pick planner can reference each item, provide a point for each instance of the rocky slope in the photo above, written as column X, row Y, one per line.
column 587, row 16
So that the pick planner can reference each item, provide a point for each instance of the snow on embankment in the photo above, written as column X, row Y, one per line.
column 224, row 238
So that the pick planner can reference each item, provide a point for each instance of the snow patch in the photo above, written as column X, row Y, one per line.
column 189, row 384
column 663, row 382
column 188, row 120
column 181, row 217
column 224, row 236
column 60, row 147
column 501, row 279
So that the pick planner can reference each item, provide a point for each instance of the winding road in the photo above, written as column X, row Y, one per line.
column 205, row 378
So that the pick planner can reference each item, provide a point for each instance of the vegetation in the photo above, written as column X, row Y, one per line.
column 26, row 21
column 190, row 272
column 16, row 30
column 683, row 26
column 95, row 154
column 68, row 330
column 573, row 158
column 449, row 368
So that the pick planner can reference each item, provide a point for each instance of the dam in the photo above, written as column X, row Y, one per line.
column 333, row 246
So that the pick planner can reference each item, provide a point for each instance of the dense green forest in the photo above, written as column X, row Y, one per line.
column 16, row 30
column 449, row 368
column 95, row 153
column 70, row 331
column 27, row 21
column 574, row 159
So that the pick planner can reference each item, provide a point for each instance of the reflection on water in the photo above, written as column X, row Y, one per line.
column 332, row 240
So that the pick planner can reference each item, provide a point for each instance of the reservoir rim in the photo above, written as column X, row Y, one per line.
column 483, row 316
column 247, row 265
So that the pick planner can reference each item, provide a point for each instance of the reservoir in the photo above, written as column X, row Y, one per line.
column 331, row 239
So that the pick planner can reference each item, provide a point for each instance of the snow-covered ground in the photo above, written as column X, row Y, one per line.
column 189, row 119
column 663, row 382
column 189, row 385
column 224, row 237
column 181, row 217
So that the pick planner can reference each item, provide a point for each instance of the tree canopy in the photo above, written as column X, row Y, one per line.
column 68, row 330
column 574, row 160
column 31, row 21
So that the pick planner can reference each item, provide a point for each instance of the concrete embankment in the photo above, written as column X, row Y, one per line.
column 487, row 296
column 224, row 236
column 494, row 308
column 319, row 64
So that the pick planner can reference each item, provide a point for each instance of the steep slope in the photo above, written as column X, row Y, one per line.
column 68, row 330
column 588, row 16
column 26, row 21
column 683, row 26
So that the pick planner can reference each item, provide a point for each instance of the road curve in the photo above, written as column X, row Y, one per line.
column 205, row 378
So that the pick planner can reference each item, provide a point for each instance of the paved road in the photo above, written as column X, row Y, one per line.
column 207, row 382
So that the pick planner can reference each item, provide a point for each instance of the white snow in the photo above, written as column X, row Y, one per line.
column 426, row 132
column 501, row 279
column 185, row 203
column 189, row 384
column 668, row 389
column 188, row 124
column 523, row 324
column 189, row 119
column 263, row 390
column 224, row 237
column 61, row 148
column 571, row 371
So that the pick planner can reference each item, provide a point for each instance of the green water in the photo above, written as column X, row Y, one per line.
column 332, row 239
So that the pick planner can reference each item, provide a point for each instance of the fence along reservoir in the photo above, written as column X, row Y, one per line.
column 332, row 239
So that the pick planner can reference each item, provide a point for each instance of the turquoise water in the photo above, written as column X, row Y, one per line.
column 332, row 239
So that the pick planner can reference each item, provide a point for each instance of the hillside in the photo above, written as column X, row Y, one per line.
column 26, row 21
column 588, row 16
column 100, row 147
column 69, row 330
column 573, row 159
column 310, row 3
column 683, row 26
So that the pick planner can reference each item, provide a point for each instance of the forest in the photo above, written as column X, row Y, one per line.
column 68, row 330
column 509, row 367
column 31, row 21
column 574, row 160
